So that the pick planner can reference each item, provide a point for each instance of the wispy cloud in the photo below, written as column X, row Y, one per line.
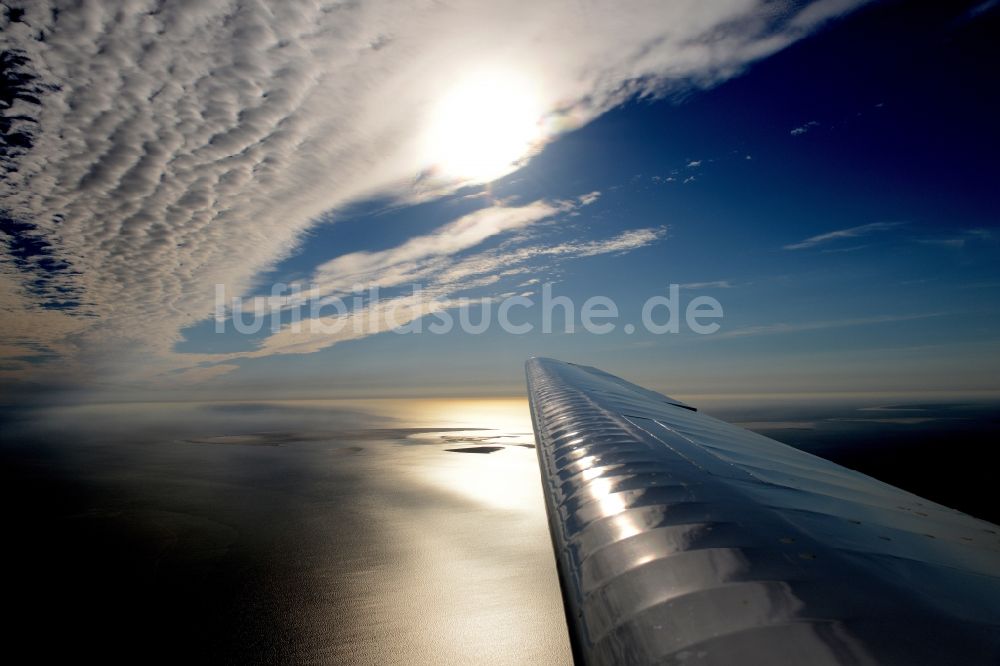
column 440, row 294
column 418, row 257
column 845, row 250
column 802, row 129
column 840, row 234
column 440, row 263
column 943, row 242
column 782, row 328
column 623, row 242
column 715, row 284
column 960, row 240
column 982, row 8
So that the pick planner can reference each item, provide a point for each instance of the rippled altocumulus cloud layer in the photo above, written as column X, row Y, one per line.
column 154, row 149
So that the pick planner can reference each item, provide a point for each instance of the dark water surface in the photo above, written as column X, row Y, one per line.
column 944, row 451
column 407, row 531
column 279, row 532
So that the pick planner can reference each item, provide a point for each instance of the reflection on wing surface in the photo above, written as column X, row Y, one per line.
column 684, row 539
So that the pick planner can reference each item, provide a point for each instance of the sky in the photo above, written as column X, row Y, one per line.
column 825, row 171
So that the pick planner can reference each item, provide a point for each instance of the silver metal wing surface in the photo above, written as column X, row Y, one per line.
column 682, row 539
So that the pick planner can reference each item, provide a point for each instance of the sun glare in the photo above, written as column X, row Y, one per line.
column 484, row 127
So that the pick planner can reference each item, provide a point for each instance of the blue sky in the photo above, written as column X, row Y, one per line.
column 838, row 198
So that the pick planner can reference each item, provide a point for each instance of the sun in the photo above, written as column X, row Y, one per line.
column 484, row 127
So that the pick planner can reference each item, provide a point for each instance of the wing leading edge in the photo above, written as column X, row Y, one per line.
column 683, row 539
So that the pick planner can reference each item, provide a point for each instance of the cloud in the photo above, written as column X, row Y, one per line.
column 780, row 328
column 981, row 8
column 200, row 375
column 844, row 250
column 624, row 242
column 943, row 242
column 445, row 264
column 323, row 332
column 839, row 234
column 802, row 129
column 716, row 284
column 418, row 257
column 156, row 149
column 959, row 241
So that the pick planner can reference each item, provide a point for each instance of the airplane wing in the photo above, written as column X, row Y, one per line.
column 682, row 539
